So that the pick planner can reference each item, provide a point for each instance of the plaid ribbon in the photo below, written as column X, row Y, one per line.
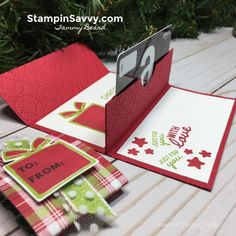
column 48, row 217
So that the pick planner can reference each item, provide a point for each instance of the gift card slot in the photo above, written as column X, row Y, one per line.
column 127, row 110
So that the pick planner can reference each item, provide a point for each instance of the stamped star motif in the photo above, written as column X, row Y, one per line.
column 133, row 151
column 205, row 153
column 149, row 151
column 195, row 162
column 188, row 151
column 139, row 141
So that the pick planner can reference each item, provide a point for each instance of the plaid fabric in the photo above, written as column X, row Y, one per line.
column 48, row 217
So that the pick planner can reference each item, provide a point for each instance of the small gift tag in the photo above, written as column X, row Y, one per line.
column 47, row 169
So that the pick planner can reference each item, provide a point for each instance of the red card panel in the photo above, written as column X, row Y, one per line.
column 127, row 110
column 37, row 88
column 50, row 166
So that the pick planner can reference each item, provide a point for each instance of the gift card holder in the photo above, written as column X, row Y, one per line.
column 134, row 115
column 39, row 87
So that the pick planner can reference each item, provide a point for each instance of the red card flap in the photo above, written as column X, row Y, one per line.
column 37, row 88
column 127, row 110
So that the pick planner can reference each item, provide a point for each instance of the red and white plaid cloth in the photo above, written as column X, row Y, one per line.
column 48, row 217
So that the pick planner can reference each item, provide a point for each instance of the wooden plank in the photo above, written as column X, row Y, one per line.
column 216, row 210
column 8, row 121
column 130, row 172
column 159, row 216
column 145, row 183
column 27, row 133
column 228, row 225
column 207, row 70
column 185, row 47
column 228, row 90
column 140, row 210
column 18, row 232
column 7, row 221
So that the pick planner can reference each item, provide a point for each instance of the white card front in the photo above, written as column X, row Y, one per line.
column 182, row 134
column 79, row 117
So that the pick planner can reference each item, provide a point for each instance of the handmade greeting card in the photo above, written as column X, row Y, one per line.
column 180, row 137
column 133, row 115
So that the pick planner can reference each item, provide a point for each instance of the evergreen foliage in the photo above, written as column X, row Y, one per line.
column 21, row 41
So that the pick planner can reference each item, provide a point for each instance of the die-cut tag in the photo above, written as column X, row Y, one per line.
column 47, row 170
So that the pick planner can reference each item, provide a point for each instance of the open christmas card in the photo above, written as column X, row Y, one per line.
column 134, row 115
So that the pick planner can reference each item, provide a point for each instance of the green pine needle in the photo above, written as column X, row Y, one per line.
column 21, row 41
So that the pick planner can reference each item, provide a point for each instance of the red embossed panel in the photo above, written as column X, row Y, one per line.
column 37, row 88
column 127, row 110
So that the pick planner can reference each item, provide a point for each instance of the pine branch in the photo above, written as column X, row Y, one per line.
column 21, row 41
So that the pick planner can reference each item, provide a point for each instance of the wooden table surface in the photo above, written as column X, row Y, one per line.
column 152, row 204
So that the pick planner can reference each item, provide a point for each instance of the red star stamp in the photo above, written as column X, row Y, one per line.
column 195, row 162
column 205, row 153
column 149, row 151
column 139, row 141
column 133, row 151
column 188, row 151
